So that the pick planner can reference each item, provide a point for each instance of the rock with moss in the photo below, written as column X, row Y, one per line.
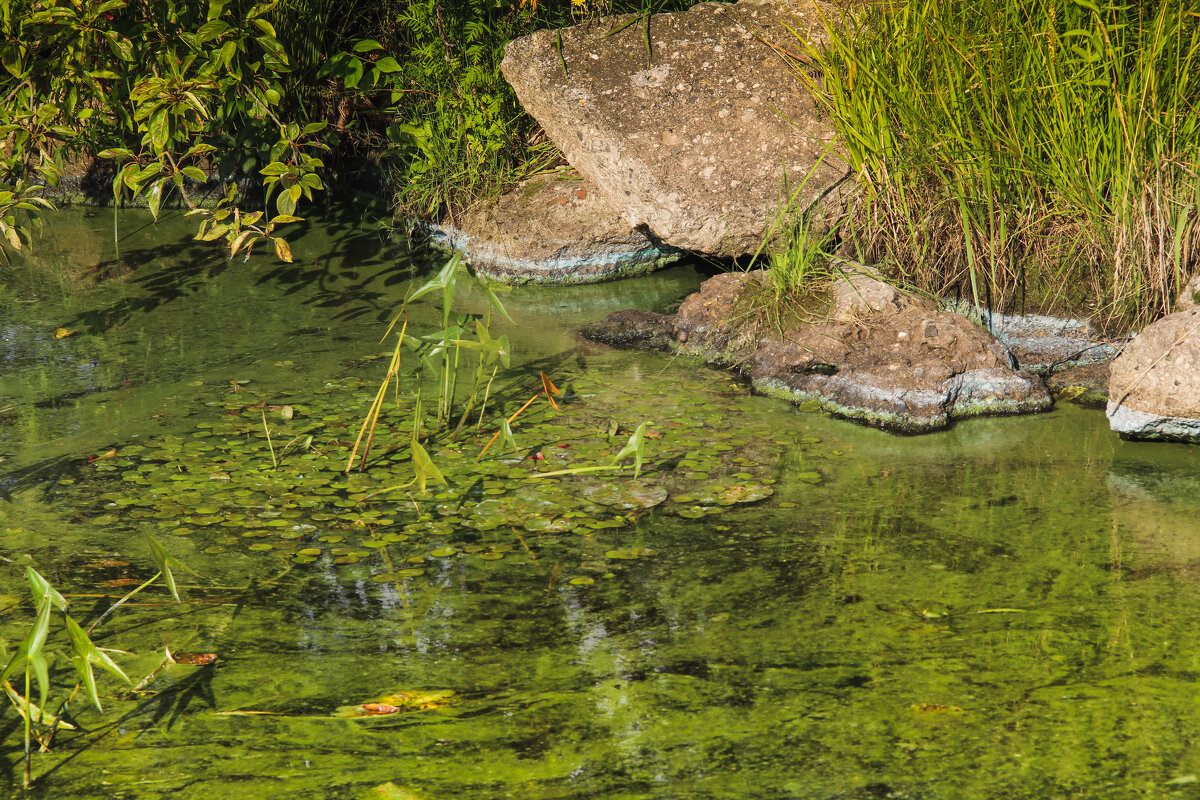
column 1085, row 385
column 894, row 361
column 695, row 125
column 551, row 229
column 1154, row 388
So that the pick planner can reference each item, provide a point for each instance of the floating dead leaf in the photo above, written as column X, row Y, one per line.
column 420, row 701
column 194, row 659
column 287, row 412
column 102, row 456
column 105, row 563
column 62, row 333
column 935, row 708
column 118, row 582
column 395, row 703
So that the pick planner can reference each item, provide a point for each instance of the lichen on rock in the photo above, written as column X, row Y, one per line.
column 693, row 124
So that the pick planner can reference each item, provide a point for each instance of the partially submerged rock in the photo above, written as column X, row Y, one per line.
column 697, row 135
column 1154, row 389
column 1086, row 385
column 900, row 364
column 1045, row 344
column 552, row 229
column 633, row 330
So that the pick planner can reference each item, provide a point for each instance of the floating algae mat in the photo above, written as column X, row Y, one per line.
column 267, row 473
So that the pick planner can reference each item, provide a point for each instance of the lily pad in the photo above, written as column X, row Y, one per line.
column 631, row 552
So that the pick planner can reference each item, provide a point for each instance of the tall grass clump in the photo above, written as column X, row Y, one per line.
column 1030, row 155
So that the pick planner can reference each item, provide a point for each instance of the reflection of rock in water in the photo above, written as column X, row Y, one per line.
column 1155, row 493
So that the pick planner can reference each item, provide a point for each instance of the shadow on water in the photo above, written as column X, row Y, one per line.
column 345, row 260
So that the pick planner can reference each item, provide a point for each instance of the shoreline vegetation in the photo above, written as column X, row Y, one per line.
column 1030, row 157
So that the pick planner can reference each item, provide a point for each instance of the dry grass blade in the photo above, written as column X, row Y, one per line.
column 368, row 427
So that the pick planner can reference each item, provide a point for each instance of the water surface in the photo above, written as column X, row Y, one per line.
column 1007, row 609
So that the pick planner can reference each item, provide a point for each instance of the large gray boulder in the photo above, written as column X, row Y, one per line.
column 883, row 358
column 1154, row 386
column 551, row 229
column 700, row 136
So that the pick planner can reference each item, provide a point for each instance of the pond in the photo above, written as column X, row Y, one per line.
column 780, row 605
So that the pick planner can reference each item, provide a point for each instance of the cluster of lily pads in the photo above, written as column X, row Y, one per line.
column 268, row 472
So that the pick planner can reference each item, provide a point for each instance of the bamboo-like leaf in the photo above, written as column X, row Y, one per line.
column 424, row 468
column 507, row 434
column 30, row 710
column 439, row 281
column 634, row 447
column 85, row 654
column 166, row 565
column 42, row 590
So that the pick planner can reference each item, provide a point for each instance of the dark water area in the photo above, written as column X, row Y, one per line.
column 1006, row 609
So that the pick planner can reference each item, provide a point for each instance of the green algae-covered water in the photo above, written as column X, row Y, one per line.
column 779, row 606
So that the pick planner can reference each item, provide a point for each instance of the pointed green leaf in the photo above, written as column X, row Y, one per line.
column 26, row 708
column 164, row 563
column 634, row 447
column 42, row 590
column 507, row 434
column 424, row 468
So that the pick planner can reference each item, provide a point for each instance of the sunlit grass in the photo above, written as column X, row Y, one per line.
column 1029, row 155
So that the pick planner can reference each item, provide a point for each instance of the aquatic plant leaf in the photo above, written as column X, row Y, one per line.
column 420, row 700
column 634, row 447
column 166, row 565
column 30, row 652
column 628, row 553
column 490, row 288
column 390, row 791
column 85, row 654
column 43, row 591
column 424, row 468
column 507, row 434
column 397, row 702
column 445, row 276
column 935, row 708
column 24, row 708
